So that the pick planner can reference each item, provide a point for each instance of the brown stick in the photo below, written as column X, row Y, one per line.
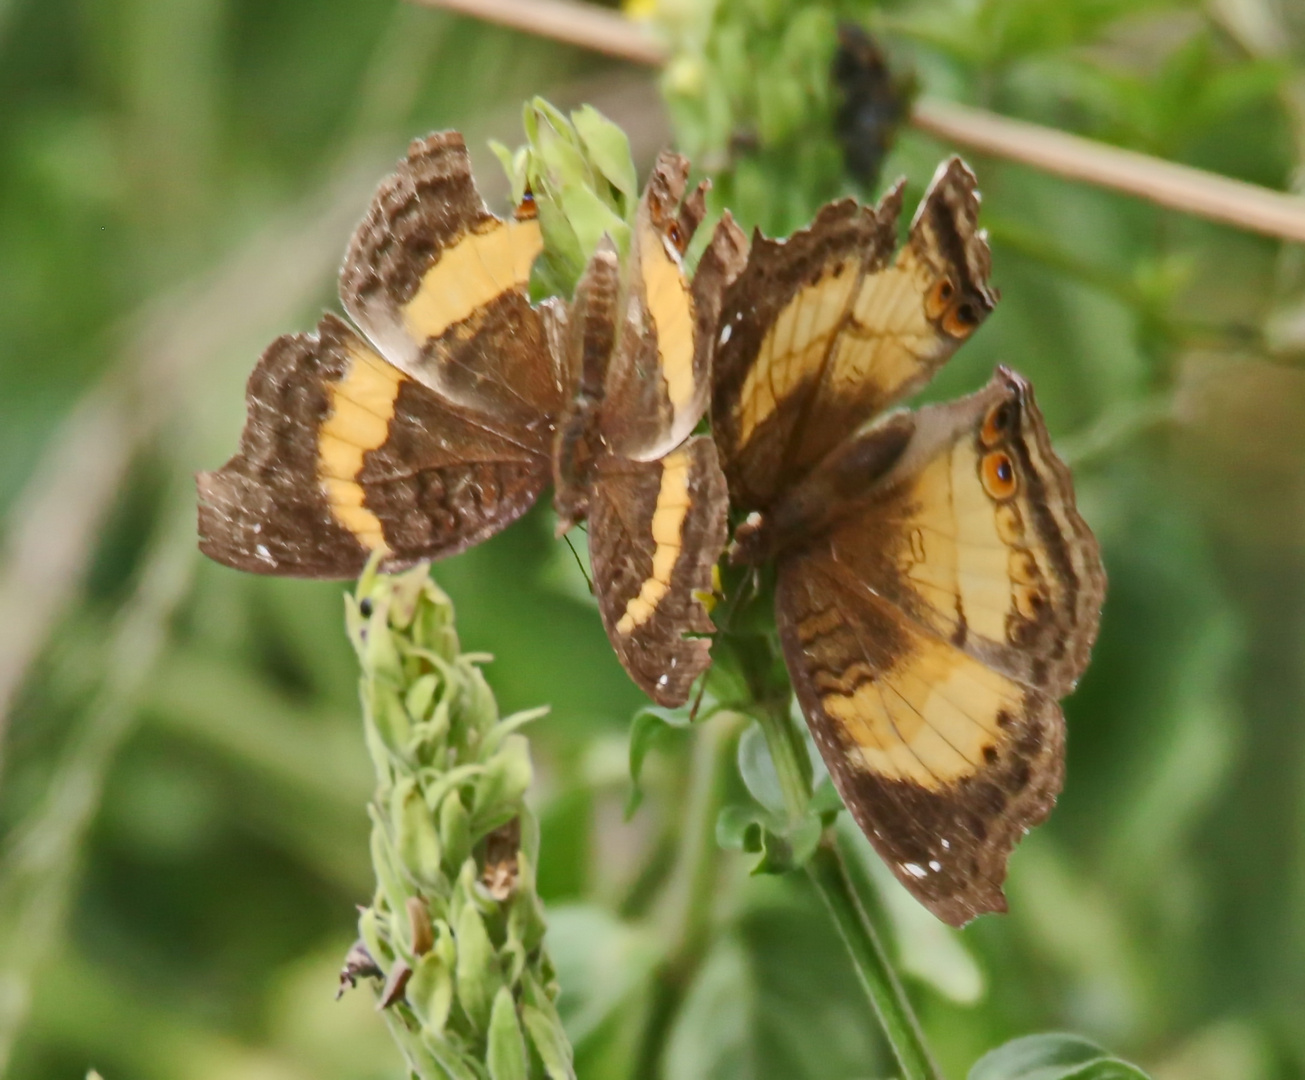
column 585, row 25
column 1179, row 187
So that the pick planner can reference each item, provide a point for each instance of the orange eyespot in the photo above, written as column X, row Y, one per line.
column 998, row 473
column 676, row 236
column 961, row 320
column 997, row 424
column 526, row 210
column 1029, row 602
column 937, row 298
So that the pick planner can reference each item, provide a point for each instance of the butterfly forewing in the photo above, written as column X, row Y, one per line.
column 824, row 330
column 659, row 379
column 440, row 287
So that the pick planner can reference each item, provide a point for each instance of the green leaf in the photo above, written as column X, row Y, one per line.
column 755, row 831
column 499, row 790
column 608, row 148
column 649, row 724
column 562, row 261
column 369, row 932
column 508, row 725
column 758, row 770
column 417, row 838
column 739, row 828
column 452, row 1062
column 1052, row 1057
column 421, row 697
column 514, row 165
column 390, row 717
column 592, row 219
column 826, row 802
column 389, row 872
column 455, row 832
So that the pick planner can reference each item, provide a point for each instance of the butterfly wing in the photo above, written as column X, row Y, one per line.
column 439, row 285
column 952, row 596
column 656, row 530
column 822, row 331
column 343, row 454
column 943, row 762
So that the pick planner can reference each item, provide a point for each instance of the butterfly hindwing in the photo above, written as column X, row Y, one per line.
column 827, row 328
column 343, row 454
column 975, row 535
column 949, row 595
column 943, row 762
column 656, row 530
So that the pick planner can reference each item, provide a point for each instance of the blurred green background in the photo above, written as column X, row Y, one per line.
column 182, row 779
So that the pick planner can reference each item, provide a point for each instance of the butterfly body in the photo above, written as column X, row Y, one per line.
column 936, row 590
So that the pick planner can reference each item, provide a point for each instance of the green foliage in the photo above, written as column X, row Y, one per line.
column 768, row 141
column 1052, row 1057
column 179, row 181
column 580, row 176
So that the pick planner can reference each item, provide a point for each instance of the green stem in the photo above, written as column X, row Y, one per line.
column 880, row 982
column 789, row 755
column 829, row 875
column 691, row 889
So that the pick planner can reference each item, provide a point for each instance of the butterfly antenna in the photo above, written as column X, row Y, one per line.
column 697, row 701
column 576, row 555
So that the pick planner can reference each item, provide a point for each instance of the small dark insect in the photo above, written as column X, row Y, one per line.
column 358, row 964
column 871, row 103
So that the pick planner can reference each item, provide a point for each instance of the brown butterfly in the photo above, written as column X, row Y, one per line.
column 443, row 420
column 936, row 589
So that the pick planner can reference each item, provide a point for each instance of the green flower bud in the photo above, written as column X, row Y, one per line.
column 430, row 991
column 455, row 830
column 505, row 781
column 550, row 1042
column 506, row 1051
column 478, row 979
column 419, row 846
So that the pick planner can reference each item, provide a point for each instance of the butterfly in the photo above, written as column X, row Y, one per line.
column 456, row 401
column 936, row 590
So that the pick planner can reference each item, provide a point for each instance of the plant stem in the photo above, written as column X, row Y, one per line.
column 789, row 755
column 692, row 886
column 829, row 876
column 880, row 982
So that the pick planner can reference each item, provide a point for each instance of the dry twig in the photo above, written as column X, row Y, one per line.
column 1179, row 187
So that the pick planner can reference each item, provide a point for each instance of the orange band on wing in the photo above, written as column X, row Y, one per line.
column 670, row 303
column 476, row 270
column 362, row 403
column 667, row 531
